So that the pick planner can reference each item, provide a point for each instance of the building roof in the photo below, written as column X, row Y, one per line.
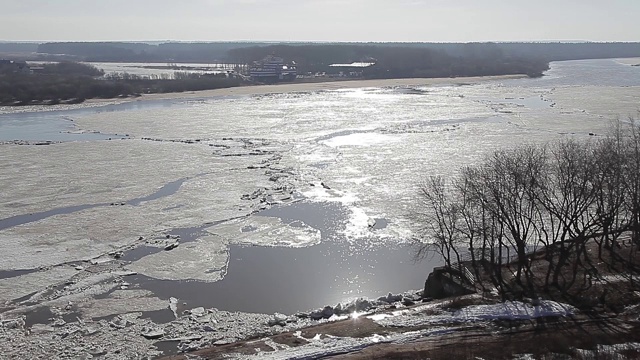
column 354, row 65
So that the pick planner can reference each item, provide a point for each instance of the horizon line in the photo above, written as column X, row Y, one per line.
column 321, row 41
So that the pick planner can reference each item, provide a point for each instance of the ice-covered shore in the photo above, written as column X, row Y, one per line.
column 129, row 323
column 134, row 334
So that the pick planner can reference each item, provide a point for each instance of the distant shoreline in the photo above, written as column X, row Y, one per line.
column 634, row 61
column 248, row 90
column 284, row 88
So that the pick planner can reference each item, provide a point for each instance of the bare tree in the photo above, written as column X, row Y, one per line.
column 558, row 198
column 442, row 216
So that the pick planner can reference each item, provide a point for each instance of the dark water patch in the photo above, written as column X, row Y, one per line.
column 322, row 165
column 57, row 125
column 159, row 316
column 45, row 127
column 139, row 252
column 71, row 317
column 22, row 299
column 107, row 318
column 29, row 218
column 288, row 280
column 343, row 133
column 379, row 223
column 7, row 274
column 168, row 347
column 248, row 228
column 190, row 234
column 40, row 315
column 411, row 91
column 166, row 190
column 107, row 294
column 328, row 217
column 182, row 235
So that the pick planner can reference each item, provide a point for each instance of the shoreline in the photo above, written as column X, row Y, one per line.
column 476, row 325
column 284, row 88
column 249, row 90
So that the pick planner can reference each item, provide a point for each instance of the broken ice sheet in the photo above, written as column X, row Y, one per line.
column 206, row 258
column 91, row 232
column 121, row 302
column 267, row 231
column 20, row 286
column 77, row 173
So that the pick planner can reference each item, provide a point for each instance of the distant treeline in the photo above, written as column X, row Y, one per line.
column 17, row 47
column 220, row 51
column 400, row 61
column 74, row 82
column 68, row 68
column 143, row 52
column 393, row 60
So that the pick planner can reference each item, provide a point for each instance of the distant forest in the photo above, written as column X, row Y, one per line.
column 400, row 61
column 69, row 82
column 394, row 60
column 221, row 51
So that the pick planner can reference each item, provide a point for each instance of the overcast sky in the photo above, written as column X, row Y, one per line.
column 321, row 20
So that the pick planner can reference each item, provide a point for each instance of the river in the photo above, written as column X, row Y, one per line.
column 279, row 202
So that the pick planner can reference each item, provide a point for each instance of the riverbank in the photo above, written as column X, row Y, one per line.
column 602, row 322
column 481, row 329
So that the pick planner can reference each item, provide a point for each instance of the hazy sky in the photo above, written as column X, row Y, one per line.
column 321, row 20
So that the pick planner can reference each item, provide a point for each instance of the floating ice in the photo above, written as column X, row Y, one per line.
column 384, row 142
column 120, row 302
column 204, row 259
column 23, row 285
